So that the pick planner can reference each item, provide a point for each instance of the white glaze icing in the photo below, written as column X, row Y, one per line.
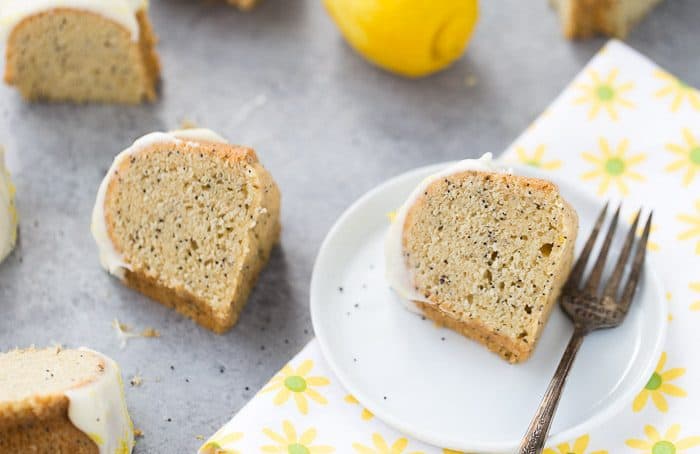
column 397, row 272
column 123, row 12
column 8, row 213
column 111, row 259
column 198, row 135
column 98, row 409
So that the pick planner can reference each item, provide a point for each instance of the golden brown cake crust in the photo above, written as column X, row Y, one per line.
column 218, row 320
column 472, row 329
column 40, row 423
column 45, row 430
column 141, row 55
column 149, row 57
column 499, row 343
column 587, row 18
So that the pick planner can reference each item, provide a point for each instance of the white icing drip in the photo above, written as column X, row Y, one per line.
column 8, row 213
column 99, row 410
column 123, row 12
column 199, row 135
column 111, row 259
column 397, row 272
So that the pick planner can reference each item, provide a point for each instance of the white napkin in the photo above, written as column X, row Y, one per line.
column 624, row 129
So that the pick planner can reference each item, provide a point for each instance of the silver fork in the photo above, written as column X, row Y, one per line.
column 589, row 309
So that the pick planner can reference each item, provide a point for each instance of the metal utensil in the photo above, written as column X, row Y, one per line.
column 590, row 309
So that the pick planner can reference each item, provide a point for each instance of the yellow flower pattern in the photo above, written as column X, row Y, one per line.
column 658, row 385
column 297, row 384
column 669, row 443
column 623, row 129
column 695, row 287
column 380, row 446
column 288, row 442
column 693, row 221
column 536, row 159
column 613, row 166
column 678, row 91
column 604, row 94
column 687, row 157
column 579, row 447
column 366, row 415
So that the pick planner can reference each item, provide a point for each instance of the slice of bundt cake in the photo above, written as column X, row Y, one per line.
column 56, row 401
column 189, row 220
column 483, row 252
column 8, row 212
column 80, row 50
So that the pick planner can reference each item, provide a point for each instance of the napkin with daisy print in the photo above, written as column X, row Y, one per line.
column 624, row 129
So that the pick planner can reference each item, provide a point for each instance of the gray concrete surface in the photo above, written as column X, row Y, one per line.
column 328, row 126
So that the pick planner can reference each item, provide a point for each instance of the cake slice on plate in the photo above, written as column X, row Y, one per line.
column 56, row 401
column 483, row 252
column 80, row 50
column 188, row 220
column 8, row 212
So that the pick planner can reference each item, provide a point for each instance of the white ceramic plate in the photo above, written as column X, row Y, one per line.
column 443, row 389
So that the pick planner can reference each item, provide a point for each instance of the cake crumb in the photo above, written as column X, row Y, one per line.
column 138, row 433
column 150, row 332
column 199, row 437
column 125, row 333
column 136, row 380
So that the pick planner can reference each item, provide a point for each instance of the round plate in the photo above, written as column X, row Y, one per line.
column 446, row 390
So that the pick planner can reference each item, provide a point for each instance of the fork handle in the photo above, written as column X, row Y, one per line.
column 536, row 435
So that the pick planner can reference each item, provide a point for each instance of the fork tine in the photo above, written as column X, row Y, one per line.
column 580, row 266
column 637, row 265
column 614, row 281
column 597, row 272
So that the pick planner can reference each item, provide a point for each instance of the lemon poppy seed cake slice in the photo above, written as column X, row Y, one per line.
column 484, row 252
column 61, row 401
column 80, row 50
column 189, row 220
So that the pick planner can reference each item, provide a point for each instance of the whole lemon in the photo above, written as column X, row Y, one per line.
column 410, row 37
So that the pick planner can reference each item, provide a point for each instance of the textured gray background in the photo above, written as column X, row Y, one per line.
column 327, row 125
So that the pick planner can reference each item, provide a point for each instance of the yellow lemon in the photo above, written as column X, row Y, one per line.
column 409, row 37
